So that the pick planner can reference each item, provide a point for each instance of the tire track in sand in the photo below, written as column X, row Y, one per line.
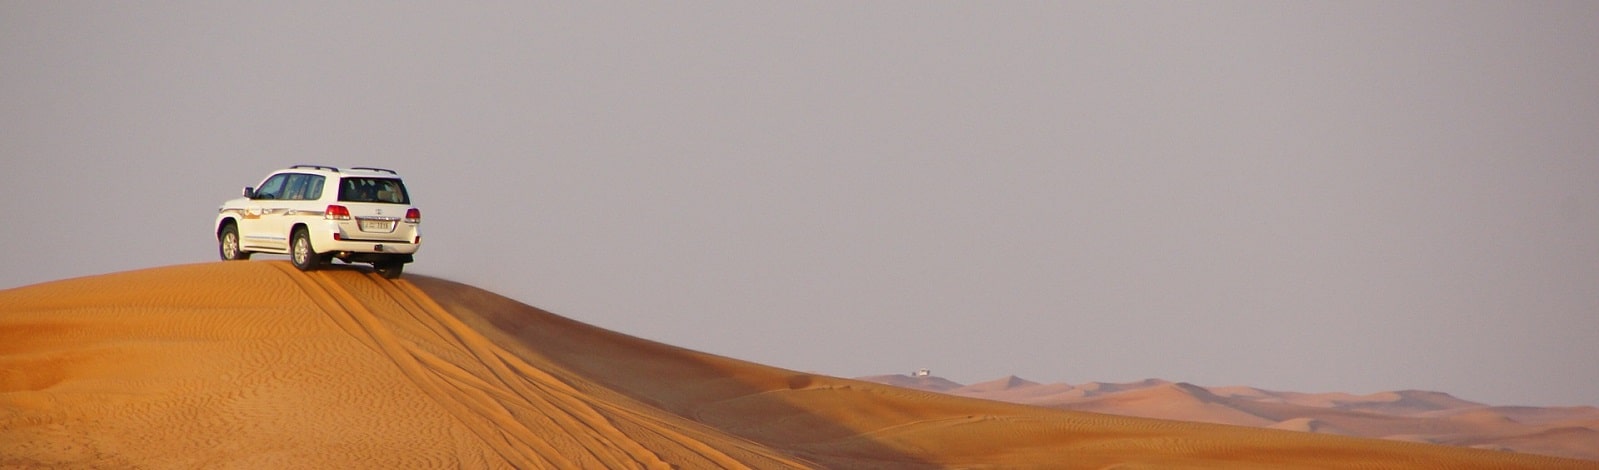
column 554, row 402
column 474, row 407
column 527, row 415
column 529, row 381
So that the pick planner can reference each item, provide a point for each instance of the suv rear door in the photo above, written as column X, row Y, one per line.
column 300, row 200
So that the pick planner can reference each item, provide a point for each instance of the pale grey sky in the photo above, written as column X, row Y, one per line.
column 1340, row 196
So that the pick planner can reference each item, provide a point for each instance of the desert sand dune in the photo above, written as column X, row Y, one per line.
column 937, row 384
column 1180, row 401
column 1308, row 425
column 1411, row 416
column 254, row 364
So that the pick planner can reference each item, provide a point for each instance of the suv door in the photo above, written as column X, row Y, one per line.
column 262, row 216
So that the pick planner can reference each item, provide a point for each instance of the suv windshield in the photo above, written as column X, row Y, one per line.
column 385, row 190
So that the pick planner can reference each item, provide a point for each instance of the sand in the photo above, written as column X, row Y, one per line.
column 255, row 365
column 1409, row 415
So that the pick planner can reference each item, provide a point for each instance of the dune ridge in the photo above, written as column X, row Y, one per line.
column 1407, row 415
column 255, row 364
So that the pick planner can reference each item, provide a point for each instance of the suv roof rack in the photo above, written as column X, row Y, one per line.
column 319, row 167
column 384, row 170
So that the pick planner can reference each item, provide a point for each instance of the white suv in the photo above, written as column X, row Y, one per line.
column 314, row 213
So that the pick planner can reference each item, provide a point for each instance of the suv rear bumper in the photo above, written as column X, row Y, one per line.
column 366, row 246
column 325, row 242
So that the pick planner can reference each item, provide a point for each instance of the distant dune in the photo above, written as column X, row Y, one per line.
column 1410, row 415
column 257, row 365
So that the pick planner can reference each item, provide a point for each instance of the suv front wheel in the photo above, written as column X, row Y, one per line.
column 300, row 252
column 228, row 244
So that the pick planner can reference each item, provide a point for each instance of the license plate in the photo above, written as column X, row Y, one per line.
column 376, row 226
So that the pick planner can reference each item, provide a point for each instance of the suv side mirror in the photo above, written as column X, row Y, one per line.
column 249, row 192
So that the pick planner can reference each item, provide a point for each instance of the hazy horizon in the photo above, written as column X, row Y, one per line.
column 1309, row 197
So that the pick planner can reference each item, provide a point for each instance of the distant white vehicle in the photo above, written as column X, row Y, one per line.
column 315, row 213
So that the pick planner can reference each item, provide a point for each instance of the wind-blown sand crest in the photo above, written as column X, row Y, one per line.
column 255, row 364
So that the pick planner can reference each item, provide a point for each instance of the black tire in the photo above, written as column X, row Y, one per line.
column 301, row 253
column 389, row 269
column 228, row 244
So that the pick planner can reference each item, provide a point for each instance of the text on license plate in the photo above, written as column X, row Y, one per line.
column 375, row 226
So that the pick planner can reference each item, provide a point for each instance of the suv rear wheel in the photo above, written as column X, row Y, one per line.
column 228, row 244
column 300, row 252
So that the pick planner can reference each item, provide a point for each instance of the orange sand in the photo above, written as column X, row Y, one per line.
column 1411, row 415
column 254, row 364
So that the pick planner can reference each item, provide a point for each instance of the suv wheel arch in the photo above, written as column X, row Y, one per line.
column 301, row 252
column 228, row 242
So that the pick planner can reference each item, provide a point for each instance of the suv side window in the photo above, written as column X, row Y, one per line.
column 314, row 190
column 302, row 187
column 272, row 188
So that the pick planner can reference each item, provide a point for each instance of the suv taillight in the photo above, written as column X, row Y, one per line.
column 413, row 215
column 337, row 212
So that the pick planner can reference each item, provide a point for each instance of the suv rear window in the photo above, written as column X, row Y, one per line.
column 384, row 190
